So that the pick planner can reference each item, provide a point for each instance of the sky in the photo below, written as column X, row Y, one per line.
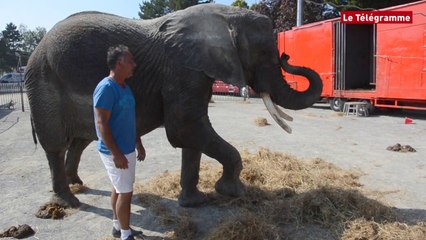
column 46, row 13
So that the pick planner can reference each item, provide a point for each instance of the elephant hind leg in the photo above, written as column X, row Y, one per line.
column 73, row 159
column 62, row 194
column 190, row 196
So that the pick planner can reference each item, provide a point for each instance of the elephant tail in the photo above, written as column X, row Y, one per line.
column 33, row 131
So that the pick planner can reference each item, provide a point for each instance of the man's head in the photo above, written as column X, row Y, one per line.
column 120, row 60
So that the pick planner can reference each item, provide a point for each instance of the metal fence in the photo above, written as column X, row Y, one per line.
column 233, row 97
column 13, row 96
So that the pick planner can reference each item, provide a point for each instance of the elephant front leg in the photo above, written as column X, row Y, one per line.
column 229, row 184
column 190, row 196
column 73, row 160
column 62, row 194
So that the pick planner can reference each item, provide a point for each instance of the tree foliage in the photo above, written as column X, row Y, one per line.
column 10, row 43
column 240, row 4
column 367, row 4
column 157, row 8
column 31, row 38
column 17, row 45
column 12, row 37
column 283, row 12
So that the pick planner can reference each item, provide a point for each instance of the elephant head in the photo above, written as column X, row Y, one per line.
column 238, row 47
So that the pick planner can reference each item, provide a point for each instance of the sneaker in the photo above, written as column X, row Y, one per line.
column 117, row 233
column 130, row 237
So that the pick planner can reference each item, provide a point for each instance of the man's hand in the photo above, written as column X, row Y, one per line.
column 141, row 153
column 120, row 161
column 141, row 150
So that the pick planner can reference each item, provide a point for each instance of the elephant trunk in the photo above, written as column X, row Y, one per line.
column 290, row 98
column 296, row 100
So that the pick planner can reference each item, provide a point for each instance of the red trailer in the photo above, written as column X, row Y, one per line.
column 381, row 64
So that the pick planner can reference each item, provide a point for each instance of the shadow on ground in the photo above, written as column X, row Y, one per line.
column 5, row 112
column 324, row 213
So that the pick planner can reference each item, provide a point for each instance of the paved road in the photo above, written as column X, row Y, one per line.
column 349, row 142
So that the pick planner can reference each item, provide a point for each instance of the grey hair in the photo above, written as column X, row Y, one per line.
column 115, row 53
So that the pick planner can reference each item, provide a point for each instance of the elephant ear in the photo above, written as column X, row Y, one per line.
column 203, row 41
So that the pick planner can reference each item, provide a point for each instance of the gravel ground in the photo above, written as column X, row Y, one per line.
column 350, row 142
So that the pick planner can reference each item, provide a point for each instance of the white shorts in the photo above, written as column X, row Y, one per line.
column 121, row 179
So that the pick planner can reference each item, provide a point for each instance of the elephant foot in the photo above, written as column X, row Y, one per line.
column 230, row 187
column 67, row 200
column 75, row 179
column 192, row 199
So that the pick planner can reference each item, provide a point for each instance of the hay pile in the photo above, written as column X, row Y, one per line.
column 285, row 197
column 78, row 188
column 261, row 122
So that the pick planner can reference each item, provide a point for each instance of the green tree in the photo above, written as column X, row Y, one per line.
column 31, row 38
column 18, row 45
column 240, row 3
column 4, row 55
column 157, row 8
column 10, row 47
column 12, row 37
column 366, row 4
column 283, row 12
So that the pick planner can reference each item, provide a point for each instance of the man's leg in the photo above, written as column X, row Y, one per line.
column 114, row 197
column 122, row 192
column 115, row 222
column 123, row 212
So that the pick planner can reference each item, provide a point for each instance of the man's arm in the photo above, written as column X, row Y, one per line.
column 102, row 117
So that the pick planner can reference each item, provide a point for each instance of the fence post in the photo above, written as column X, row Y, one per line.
column 22, row 97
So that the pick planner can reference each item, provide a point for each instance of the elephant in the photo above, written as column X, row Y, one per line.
column 178, row 58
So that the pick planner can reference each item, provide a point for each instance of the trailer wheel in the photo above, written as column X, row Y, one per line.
column 336, row 104
column 370, row 108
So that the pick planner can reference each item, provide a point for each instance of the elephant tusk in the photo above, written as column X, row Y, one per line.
column 272, row 109
column 283, row 114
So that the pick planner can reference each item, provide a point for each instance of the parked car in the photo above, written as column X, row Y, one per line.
column 12, row 78
column 219, row 87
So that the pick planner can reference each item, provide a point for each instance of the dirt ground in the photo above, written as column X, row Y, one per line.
column 349, row 142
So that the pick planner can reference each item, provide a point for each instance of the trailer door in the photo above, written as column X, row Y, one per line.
column 354, row 61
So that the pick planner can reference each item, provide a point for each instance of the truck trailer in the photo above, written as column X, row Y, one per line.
column 382, row 65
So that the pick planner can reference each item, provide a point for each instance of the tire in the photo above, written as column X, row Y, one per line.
column 370, row 108
column 369, row 105
column 336, row 104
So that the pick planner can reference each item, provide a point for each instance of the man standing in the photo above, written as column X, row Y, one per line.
column 115, row 120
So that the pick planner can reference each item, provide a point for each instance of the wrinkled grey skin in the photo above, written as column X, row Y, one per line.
column 178, row 57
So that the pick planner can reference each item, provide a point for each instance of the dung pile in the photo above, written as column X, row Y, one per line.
column 22, row 231
column 51, row 210
column 286, row 198
column 401, row 148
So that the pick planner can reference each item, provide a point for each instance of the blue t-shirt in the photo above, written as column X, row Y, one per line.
column 119, row 100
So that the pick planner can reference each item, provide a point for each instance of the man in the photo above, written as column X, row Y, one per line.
column 114, row 108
